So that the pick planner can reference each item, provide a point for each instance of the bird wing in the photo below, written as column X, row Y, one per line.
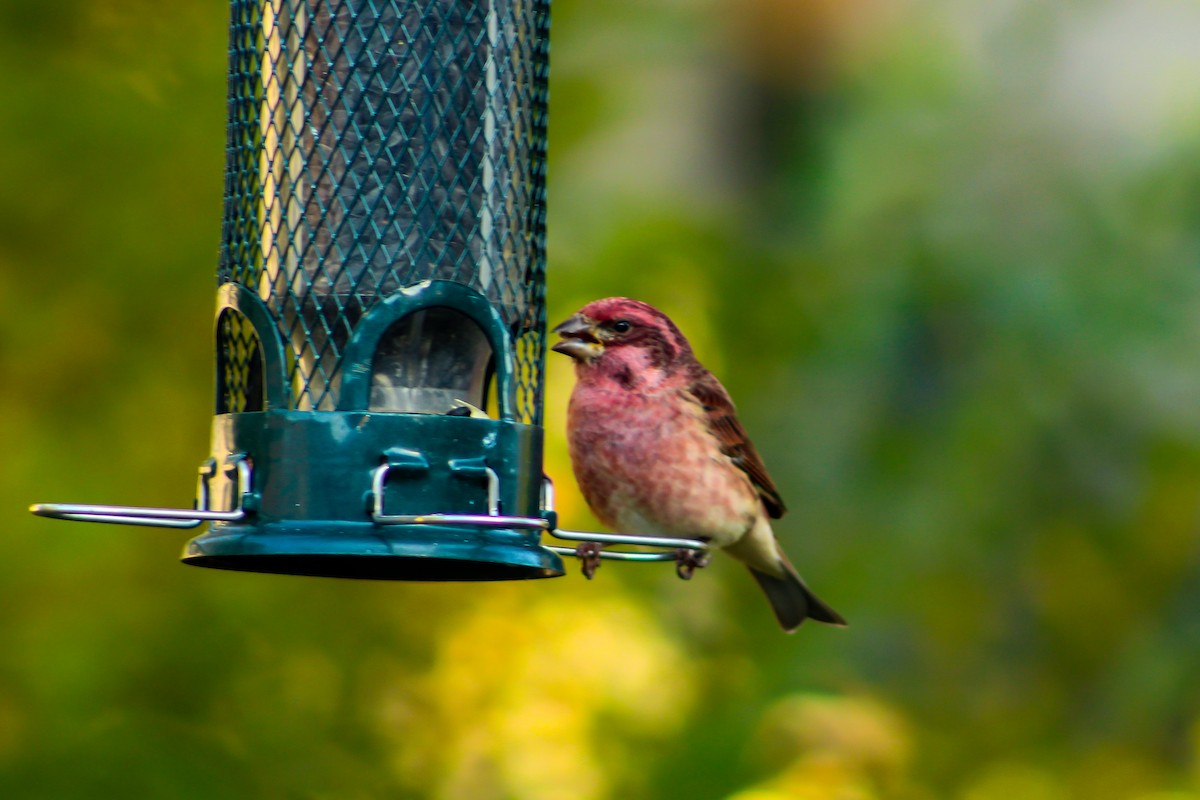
column 722, row 420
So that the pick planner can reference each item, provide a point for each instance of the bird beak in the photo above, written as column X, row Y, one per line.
column 579, row 339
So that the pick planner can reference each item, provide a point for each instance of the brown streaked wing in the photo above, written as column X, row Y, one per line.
column 722, row 419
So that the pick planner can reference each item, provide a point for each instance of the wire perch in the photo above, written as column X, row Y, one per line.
column 688, row 554
column 163, row 517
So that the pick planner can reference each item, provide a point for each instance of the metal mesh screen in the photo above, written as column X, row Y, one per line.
column 239, row 365
column 374, row 145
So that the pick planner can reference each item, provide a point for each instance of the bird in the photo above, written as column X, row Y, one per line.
column 657, row 448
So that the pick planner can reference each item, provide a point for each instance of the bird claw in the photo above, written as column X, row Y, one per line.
column 687, row 561
column 588, row 554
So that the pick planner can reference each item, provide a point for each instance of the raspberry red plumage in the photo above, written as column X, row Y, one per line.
column 657, row 447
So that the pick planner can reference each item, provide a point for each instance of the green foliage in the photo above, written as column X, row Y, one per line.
column 945, row 261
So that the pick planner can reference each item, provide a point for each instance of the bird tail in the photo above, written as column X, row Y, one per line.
column 791, row 600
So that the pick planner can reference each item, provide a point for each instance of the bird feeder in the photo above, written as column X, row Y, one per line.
column 380, row 321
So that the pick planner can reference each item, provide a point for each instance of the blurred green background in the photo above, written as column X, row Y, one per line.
column 944, row 253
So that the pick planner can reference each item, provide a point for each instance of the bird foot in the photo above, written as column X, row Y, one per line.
column 588, row 554
column 687, row 561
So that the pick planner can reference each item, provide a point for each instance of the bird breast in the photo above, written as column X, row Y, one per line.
column 647, row 463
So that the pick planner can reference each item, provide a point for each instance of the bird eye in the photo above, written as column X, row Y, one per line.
column 621, row 326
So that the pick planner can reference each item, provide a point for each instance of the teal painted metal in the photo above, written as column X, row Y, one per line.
column 382, row 273
column 311, row 496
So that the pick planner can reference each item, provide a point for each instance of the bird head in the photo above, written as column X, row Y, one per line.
column 625, row 339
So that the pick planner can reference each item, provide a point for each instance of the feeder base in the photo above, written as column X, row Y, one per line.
column 401, row 553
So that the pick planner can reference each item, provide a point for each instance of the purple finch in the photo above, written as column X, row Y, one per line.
column 658, row 450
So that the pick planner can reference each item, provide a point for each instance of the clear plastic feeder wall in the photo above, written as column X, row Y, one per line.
column 380, row 328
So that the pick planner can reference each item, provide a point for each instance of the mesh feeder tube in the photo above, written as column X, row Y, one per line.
column 381, row 282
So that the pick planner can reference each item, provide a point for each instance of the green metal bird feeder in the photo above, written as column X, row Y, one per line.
column 380, row 323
